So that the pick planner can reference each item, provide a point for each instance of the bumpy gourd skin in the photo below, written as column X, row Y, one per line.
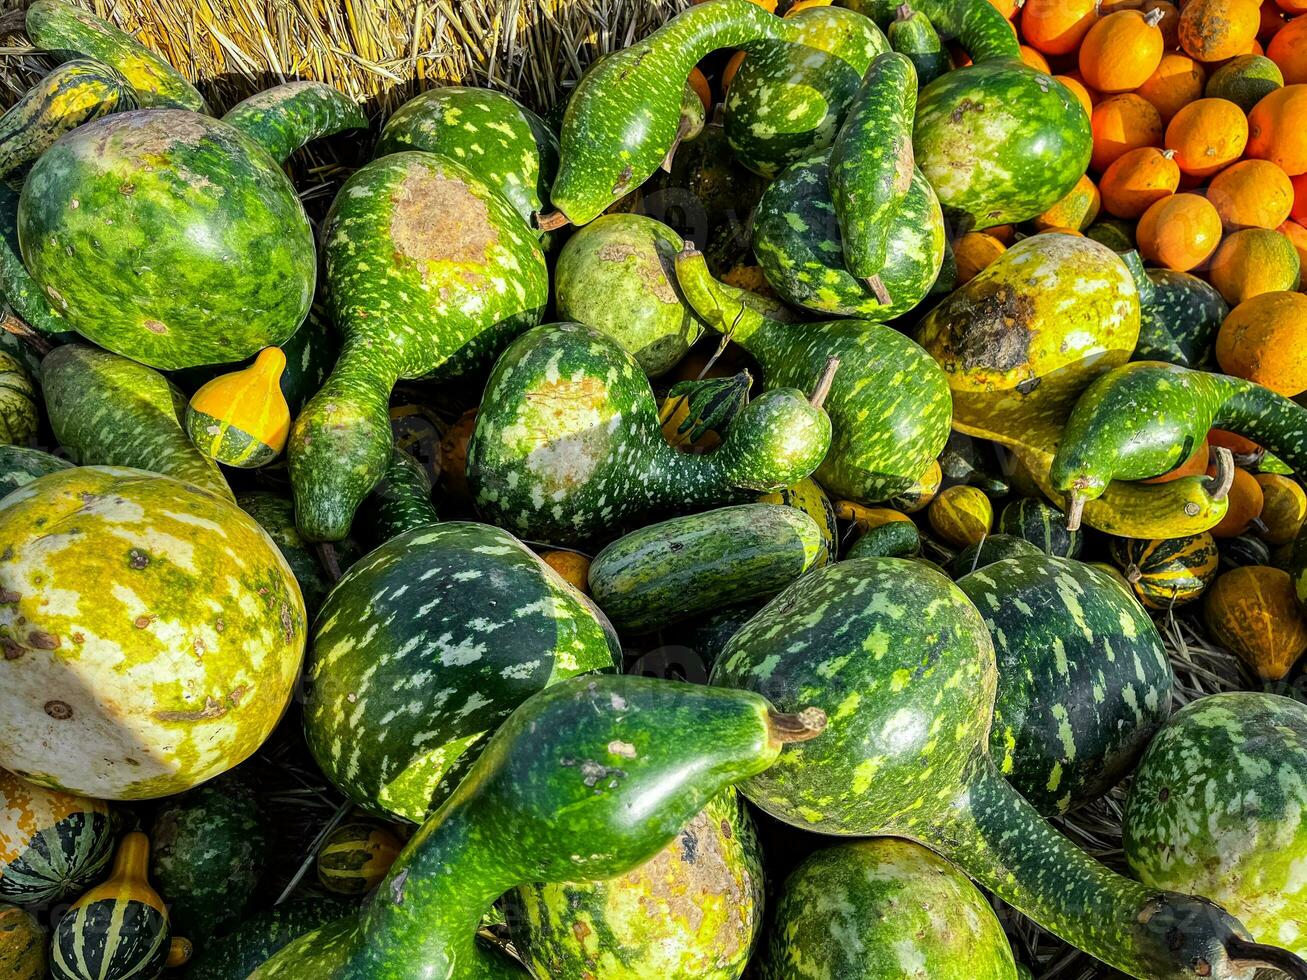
column 283, row 118
column 567, row 442
column 584, row 781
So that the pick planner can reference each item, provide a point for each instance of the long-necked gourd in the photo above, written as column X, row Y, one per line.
column 902, row 663
column 586, row 780
column 174, row 238
column 889, row 402
column 431, row 273
column 399, row 503
column 568, row 446
column 625, row 114
column 1143, row 419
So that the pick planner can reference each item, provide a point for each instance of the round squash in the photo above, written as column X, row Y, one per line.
column 1276, row 132
column 52, row 845
column 1056, row 27
column 1085, row 97
column 1245, row 504
column 1166, row 572
column 1251, row 194
column 1207, row 135
column 1253, row 612
column 1137, row 179
column 242, row 419
column 1177, row 81
column 1245, row 80
column 177, row 646
column 1121, row 124
column 22, row 945
column 572, row 566
column 1043, row 525
column 1254, row 261
column 1244, row 550
column 1284, row 507
column 1179, row 232
column 973, row 252
column 1213, row 30
column 1264, row 339
column 961, row 516
column 355, row 858
column 19, row 416
column 1288, row 50
column 808, row 496
column 1121, row 50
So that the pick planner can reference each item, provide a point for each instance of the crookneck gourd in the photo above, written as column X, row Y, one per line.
column 902, row 663
column 431, row 272
column 628, row 760
column 889, row 402
column 174, row 238
column 568, row 444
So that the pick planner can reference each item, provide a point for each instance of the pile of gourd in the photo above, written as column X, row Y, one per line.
column 723, row 391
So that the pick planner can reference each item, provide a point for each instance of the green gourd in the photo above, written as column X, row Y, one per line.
column 567, row 442
column 1043, row 525
column 871, row 167
column 430, row 273
column 629, row 760
column 19, row 417
column 688, row 566
column 256, row 939
column 1180, row 322
column 990, row 549
column 695, row 413
column 889, row 402
column 20, row 465
column 881, row 909
column 276, row 515
column 109, row 411
column 902, row 663
column 625, row 114
column 399, row 503
column 21, row 293
column 911, row 33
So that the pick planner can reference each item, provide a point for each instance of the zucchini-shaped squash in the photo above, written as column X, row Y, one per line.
column 695, row 414
column 567, row 441
column 687, row 566
column 691, row 912
column 900, row 656
column 74, row 93
column 881, row 908
column 596, row 748
column 118, row 929
column 911, row 33
column 898, row 539
column 22, row 944
column 242, row 419
column 256, row 939
column 1168, row 571
column 20, row 465
column 354, row 858
column 52, row 844
column 1043, row 525
column 1253, row 612
column 19, row 418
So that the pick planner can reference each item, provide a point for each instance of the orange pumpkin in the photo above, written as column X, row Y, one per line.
column 1178, row 80
column 1078, row 89
column 699, row 83
column 1253, row 612
column 1245, row 504
column 1169, row 25
column 1264, row 339
column 1251, row 194
column 973, row 252
column 1007, row 234
column 1297, row 236
column 1179, row 232
column 1034, row 59
column 1121, row 50
column 1057, row 27
column 1008, row 8
column 1195, row 465
column 732, row 69
column 1245, row 451
column 1077, row 210
column 1276, row 130
column 1284, row 508
column 1207, row 135
column 1120, row 124
column 1251, row 262
column 572, row 566
column 1288, row 49
column 1213, row 30
column 1137, row 179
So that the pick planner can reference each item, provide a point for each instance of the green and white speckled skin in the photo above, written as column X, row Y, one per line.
column 1218, row 806
column 568, row 445
column 276, row 515
column 145, row 618
column 625, row 114
column 789, row 97
column 424, row 647
column 399, row 503
column 20, row 466
column 108, row 410
column 285, row 117
column 691, row 912
column 19, row 416
column 431, row 272
column 903, row 666
column 505, row 144
column 257, row 938
column 884, row 909
column 796, row 237
column 1083, row 677
column 20, row 292
column 585, row 781
column 692, row 565
column 1180, row 322
column 976, row 24
column 889, row 403
column 617, row 275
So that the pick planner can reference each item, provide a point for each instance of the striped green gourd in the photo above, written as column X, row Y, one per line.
column 567, row 444
column 430, row 273
column 624, row 116
column 20, row 465
column 399, row 503
column 629, row 760
column 911, row 33
column 889, row 401
column 789, row 98
column 902, row 663
column 798, row 242
column 884, row 908
column 241, row 419
column 1218, row 807
column 177, row 239
column 1167, row 572
column 19, row 416
column 23, row 296
column 109, row 410
column 505, row 144
column 895, row 539
column 691, row 912
column 174, row 652
column 66, row 31
column 72, row 94
column 1083, row 677
column 687, row 566
column 988, row 550
column 1043, row 525
column 22, row 944
column 250, row 944
column 696, row 412
column 355, row 858
column 52, row 845
column 1179, row 324
column 424, row 647
column 276, row 515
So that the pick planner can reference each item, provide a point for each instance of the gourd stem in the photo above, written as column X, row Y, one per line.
column 1246, row 954
column 1076, row 501
column 551, row 221
column 824, row 382
column 800, row 726
column 904, row 12
column 878, row 289
column 38, row 344
column 1218, row 486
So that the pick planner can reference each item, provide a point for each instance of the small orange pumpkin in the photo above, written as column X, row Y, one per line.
column 1297, row 236
column 1288, row 49
column 1121, row 50
column 973, row 252
column 1179, row 232
column 1276, row 131
column 1284, row 508
column 572, row 566
column 1207, row 135
column 1077, row 210
column 1213, row 30
column 1137, row 179
column 1245, row 505
column 1178, row 80
column 1253, row 611
column 1169, row 25
column 1120, row 124
column 1264, row 339
column 1251, row 194
column 1251, row 262
column 1057, row 27
column 1080, row 91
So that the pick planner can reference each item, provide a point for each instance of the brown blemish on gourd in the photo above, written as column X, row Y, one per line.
column 995, row 335
column 149, row 136
column 656, row 278
column 963, row 107
column 213, row 708
column 568, row 460
column 438, row 220
column 59, row 710
column 155, row 326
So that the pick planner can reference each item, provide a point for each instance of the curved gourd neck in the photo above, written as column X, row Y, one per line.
column 979, row 27
column 132, row 862
column 1267, row 418
column 728, row 310
column 285, row 117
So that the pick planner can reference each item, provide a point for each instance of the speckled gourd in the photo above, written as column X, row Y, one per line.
column 19, row 416
column 20, row 465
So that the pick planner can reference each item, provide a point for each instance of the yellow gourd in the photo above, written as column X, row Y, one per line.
column 808, row 496
column 242, row 419
column 1284, row 508
column 961, row 516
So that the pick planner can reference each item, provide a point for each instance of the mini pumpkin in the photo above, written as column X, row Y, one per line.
column 1213, row 30
column 1288, row 49
column 1166, row 572
column 1245, row 504
column 1276, row 131
column 1254, row 261
column 1057, row 27
column 1251, row 194
column 1253, row 612
column 52, row 844
column 242, row 419
column 1244, row 80
column 973, row 252
column 356, row 857
column 1207, row 135
column 1121, row 50
column 1137, row 179
column 961, row 516
column 1178, row 80
column 1120, row 124
column 1179, row 232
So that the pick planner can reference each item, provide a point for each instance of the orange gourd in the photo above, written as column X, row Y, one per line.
column 1288, row 49
column 699, row 83
column 453, row 457
column 1251, row 262
column 1169, row 25
column 1057, row 27
column 1284, row 508
column 242, row 419
column 1007, row 234
column 1178, row 80
column 1195, row 465
column 1120, row 124
column 1008, row 8
column 1213, row 30
column 1276, row 129
column 1078, row 89
column 1253, row 612
column 1297, row 236
column 1179, row 232
column 1034, row 59
column 1121, row 50
column 1207, row 135
column 732, row 69
column 1292, row 7
column 1137, row 179
column 1251, row 194
column 1076, row 210
column 1264, row 339
column 973, row 252
column 1245, row 504
column 572, row 566
column 1299, row 211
